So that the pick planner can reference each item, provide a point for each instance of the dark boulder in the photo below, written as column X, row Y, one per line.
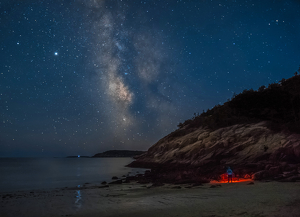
column 259, row 175
column 116, row 182
column 291, row 179
column 274, row 171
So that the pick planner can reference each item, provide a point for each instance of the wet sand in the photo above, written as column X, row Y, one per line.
column 126, row 200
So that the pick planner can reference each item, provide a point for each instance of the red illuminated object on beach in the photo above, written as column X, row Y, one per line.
column 224, row 179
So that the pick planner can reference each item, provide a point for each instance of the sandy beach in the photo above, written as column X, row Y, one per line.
column 235, row 199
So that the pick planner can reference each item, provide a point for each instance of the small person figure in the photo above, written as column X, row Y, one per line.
column 229, row 174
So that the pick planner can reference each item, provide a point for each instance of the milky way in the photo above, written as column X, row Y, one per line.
column 138, row 54
column 82, row 77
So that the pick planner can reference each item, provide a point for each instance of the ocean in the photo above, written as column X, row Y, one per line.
column 19, row 174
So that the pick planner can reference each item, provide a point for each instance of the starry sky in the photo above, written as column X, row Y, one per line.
column 79, row 77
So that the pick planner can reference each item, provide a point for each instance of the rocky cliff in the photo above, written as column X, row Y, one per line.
column 256, row 133
column 249, row 148
column 237, row 144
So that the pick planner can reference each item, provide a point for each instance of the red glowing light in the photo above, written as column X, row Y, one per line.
column 224, row 179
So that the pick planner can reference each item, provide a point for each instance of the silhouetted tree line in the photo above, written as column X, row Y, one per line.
column 279, row 103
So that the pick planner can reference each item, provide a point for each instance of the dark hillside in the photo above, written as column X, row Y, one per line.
column 119, row 153
column 278, row 103
column 257, row 133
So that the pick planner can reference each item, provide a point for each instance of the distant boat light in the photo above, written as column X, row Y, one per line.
column 78, row 155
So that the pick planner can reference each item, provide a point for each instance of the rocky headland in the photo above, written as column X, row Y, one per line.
column 119, row 153
column 256, row 133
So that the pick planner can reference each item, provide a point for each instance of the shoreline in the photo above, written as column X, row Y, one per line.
column 24, row 174
column 129, row 199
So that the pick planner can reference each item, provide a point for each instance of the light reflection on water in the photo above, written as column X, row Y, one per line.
column 78, row 201
column 78, row 171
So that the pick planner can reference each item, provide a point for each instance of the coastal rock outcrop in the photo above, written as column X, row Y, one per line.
column 257, row 133
column 118, row 153
column 249, row 148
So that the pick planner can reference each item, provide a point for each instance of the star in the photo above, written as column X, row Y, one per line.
column 123, row 71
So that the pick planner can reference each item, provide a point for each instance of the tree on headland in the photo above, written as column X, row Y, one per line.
column 278, row 103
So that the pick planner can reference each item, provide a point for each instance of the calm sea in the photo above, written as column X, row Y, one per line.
column 17, row 174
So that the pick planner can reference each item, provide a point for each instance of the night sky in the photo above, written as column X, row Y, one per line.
column 78, row 77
